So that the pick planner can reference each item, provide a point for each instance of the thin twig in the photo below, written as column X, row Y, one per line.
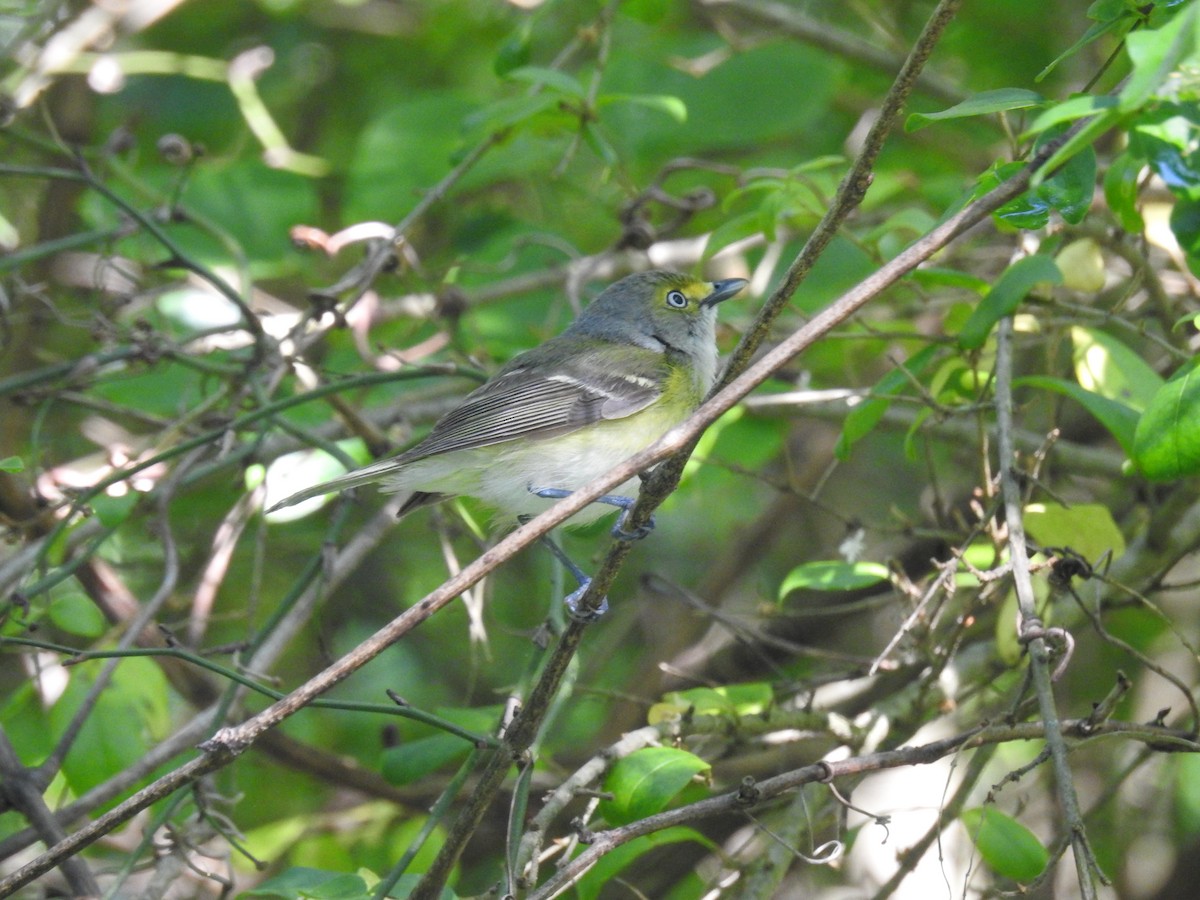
column 1039, row 651
column 604, row 842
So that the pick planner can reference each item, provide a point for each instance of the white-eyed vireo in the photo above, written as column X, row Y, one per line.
column 635, row 363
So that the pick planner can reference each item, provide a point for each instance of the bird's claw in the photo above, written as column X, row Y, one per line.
column 585, row 616
column 621, row 533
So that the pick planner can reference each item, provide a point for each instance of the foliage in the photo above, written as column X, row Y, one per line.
column 249, row 246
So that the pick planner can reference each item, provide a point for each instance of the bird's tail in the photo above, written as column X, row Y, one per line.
column 374, row 472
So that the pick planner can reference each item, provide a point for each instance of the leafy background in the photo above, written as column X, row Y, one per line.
column 832, row 578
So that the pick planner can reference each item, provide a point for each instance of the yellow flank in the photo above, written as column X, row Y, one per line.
column 504, row 474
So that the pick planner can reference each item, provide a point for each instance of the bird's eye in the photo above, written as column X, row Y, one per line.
column 676, row 300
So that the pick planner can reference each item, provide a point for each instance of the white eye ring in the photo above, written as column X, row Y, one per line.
column 677, row 300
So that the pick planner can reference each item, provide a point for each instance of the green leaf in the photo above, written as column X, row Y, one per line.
column 1185, row 225
column 607, row 869
column 412, row 760
column 645, row 782
column 1087, row 528
column 1068, row 111
column 1082, row 139
column 1156, row 55
column 1120, row 419
column 1070, row 190
column 1167, row 442
column 664, row 103
column 75, row 614
column 12, row 464
column 981, row 104
column 511, row 111
column 599, row 144
column 750, row 699
column 733, row 229
column 1105, row 366
column 1007, row 846
column 415, row 758
column 112, row 511
column 652, row 12
column 515, row 51
column 863, row 418
column 833, row 575
column 1121, row 183
column 555, row 79
column 303, row 883
column 1108, row 15
column 122, row 726
column 1004, row 297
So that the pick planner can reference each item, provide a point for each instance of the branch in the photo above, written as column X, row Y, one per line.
column 1029, row 626
column 751, row 793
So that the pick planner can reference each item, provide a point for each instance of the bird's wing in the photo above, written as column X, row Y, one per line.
column 528, row 400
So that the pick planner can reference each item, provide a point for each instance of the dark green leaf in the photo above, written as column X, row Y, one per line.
column 1185, row 225
column 1007, row 846
column 863, row 418
column 612, row 863
column 1167, row 443
column 413, row 760
column 1004, row 297
column 981, row 104
column 1121, row 191
column 514, row 52
column 12, row 464
column 1108, row 15
column 303, row 883
column 555, row 79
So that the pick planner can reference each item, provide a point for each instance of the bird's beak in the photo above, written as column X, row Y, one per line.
column 723, row 290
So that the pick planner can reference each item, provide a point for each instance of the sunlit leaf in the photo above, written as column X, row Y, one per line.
column 663, row 103
column 833, row 575
column 1106, row 366
column 1087, row 528
column 981, row 104
column 645, row 782
column 1158, row 53
column 1167, row 443
column 1119, row 418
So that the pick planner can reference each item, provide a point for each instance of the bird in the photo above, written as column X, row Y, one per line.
column 635, row 363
